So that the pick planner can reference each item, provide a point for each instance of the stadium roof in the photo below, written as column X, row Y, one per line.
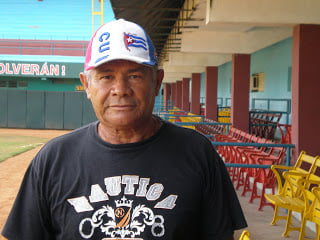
column 157, row 17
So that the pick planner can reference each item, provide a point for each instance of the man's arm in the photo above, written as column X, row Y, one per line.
column 25, row 220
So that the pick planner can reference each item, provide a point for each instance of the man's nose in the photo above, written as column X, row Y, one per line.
column 121, row 87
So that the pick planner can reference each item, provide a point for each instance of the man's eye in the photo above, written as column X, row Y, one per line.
column 135, row 76
column 106, row 77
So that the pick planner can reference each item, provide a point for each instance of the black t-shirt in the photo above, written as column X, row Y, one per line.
column 171, row 186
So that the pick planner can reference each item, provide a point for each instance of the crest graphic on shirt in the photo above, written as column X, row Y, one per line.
column 122, row 222
column 131, row 40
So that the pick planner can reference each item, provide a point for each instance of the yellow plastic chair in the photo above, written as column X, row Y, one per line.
column 311, row 211
column 302, row 203
column 289, row 194
column 225, row 113
column 245, row 235
column 304, row 165
column 173, row 111
column 190, row 119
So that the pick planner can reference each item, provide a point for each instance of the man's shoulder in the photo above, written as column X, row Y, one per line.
column 62, row 148
column 73, row 138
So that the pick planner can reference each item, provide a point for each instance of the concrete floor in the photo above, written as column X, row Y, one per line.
column 259, row 222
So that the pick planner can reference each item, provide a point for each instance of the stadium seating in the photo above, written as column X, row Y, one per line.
column 190, row 118
column 224, row 115
column 245, row 235
column 290, row 193
column 264, row 124
column 311, row 212
column 285, row 130
column 265, row 176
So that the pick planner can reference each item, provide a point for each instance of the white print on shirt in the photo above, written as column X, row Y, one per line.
column 121, row 219
column 121, row 223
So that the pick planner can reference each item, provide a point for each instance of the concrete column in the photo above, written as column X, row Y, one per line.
column 195, row 93
column 211, row 93
column 179, row 94
column 185, row 94
column 305, row 89
column 166, row 94
column 173, row 94
column 240, row 88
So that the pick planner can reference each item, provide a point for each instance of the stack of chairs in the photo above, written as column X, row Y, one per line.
column 311, row 212
column 190, row 117
column 256, row 118
column 274, row 119
column 268, row 123
column 215, row 129
column 265, row 176
column 245, row 235
column 175, row 111
column 299, row 192
column 285, row 130
column 245, row 155
column 250, row 155
column 235, row 157
column 224, row 115
column 208, row 129
column 226, row 151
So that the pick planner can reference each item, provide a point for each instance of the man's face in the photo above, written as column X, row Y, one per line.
column 122, row 93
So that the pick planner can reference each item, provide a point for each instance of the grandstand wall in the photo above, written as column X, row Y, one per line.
column 275, row 61
column 42, row 76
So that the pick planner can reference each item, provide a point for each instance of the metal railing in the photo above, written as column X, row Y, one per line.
column 287, row 146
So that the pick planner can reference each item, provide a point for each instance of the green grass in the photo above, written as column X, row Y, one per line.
column 12, row 145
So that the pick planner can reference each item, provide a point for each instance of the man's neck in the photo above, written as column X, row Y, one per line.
column 129, row 135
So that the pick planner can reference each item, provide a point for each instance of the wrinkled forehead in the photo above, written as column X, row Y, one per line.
column 123, row 66
column 120, row 65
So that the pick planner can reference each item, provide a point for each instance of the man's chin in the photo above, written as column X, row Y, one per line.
column 123, row 121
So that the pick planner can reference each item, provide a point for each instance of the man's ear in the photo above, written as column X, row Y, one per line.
column 85, row 84
column 159, row 78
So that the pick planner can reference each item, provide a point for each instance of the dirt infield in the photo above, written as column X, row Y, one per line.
column 12, row 169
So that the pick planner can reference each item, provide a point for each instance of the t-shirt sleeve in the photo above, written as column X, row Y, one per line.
column 27, row 219
column 221, row 211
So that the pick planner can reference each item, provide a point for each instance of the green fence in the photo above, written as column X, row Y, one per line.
column 44, row 109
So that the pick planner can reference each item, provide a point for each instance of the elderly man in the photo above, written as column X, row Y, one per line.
column 130, row 175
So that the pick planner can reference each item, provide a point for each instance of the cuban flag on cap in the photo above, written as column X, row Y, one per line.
column 134, row 41
column 120, row 40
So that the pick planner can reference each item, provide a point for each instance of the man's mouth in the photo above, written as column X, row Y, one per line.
column 122, row 107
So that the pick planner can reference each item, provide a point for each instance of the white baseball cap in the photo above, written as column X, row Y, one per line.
column 120, row 39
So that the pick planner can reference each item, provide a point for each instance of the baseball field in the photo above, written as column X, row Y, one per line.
column 17, row 148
